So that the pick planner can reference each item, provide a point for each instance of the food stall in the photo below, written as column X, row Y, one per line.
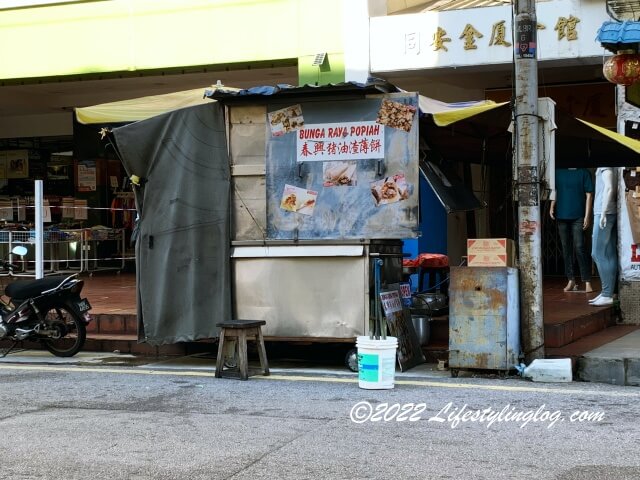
column 271, row 204
column 324, row 179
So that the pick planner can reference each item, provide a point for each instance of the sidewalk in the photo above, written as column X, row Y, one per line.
column 617, row 362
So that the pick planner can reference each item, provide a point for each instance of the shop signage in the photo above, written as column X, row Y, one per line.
column 447, row 39
column 340, row 141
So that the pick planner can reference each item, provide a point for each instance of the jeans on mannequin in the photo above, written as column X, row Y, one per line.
column 572, row 236
column 604, row 252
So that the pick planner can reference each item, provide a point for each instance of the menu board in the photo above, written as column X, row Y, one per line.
column 343, row 169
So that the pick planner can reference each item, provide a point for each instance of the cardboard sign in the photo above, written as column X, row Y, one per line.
column 409, row 353
column 405, row 293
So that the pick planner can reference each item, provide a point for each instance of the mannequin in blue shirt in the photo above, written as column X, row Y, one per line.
column 571, row 207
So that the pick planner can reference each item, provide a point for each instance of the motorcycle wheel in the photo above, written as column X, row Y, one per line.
column 72, row 329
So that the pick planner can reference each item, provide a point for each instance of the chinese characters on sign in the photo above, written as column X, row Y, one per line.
column 566, row 28
column 439, row 38
column 340, row 141
column 470, row 34
column 412, row 43
column 498, row 34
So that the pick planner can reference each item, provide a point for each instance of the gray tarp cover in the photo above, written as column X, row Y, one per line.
column 182, row 253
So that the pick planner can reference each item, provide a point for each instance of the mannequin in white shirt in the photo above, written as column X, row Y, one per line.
column 604, row 244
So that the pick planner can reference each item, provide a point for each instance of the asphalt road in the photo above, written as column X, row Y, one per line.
column 78, row 422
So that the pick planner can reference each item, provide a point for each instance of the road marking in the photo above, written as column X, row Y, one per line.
column 310, row 378
column 425, row 383
column 124, row 370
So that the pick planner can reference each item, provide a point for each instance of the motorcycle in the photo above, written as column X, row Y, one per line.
column 49, row 310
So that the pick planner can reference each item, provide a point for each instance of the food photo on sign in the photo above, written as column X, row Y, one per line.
column 390, row 190
column 298, row 200
column 286, row 120
column 340, row 174
column 396, row 115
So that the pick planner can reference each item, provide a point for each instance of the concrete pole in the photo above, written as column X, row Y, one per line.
column 527, row 179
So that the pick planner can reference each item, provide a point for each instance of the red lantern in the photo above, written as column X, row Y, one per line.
column 623, row 68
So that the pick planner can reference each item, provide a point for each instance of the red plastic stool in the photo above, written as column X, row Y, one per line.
column 436, row 265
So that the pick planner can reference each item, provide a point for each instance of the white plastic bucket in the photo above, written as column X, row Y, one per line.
column 376, row 362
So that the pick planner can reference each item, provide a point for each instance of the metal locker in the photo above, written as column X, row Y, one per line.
column 484, row 319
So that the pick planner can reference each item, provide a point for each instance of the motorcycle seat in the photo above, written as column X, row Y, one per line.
column 32, row 288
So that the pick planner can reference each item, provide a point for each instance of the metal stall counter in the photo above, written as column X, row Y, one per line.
column 319, row 292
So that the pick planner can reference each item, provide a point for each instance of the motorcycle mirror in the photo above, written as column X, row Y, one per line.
column 19, row 250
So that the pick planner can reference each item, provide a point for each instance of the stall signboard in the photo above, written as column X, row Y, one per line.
column 340, row 141
column 409, row 353
column 343, row 169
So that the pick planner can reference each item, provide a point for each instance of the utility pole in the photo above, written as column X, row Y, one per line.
column 527, row 179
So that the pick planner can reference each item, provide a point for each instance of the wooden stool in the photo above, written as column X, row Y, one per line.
column 240, row 330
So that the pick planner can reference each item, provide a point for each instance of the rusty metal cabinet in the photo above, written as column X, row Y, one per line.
column 484, row 319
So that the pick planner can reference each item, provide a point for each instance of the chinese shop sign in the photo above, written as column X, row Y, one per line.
column 340, row 141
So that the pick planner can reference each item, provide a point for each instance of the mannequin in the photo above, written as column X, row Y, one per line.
column 571, row 207
column 605, row 251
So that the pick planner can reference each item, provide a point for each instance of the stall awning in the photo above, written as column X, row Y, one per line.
column 458, row 130
column 628, row 142
column 455, row 112
column 480, row 134
column 136, row 109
